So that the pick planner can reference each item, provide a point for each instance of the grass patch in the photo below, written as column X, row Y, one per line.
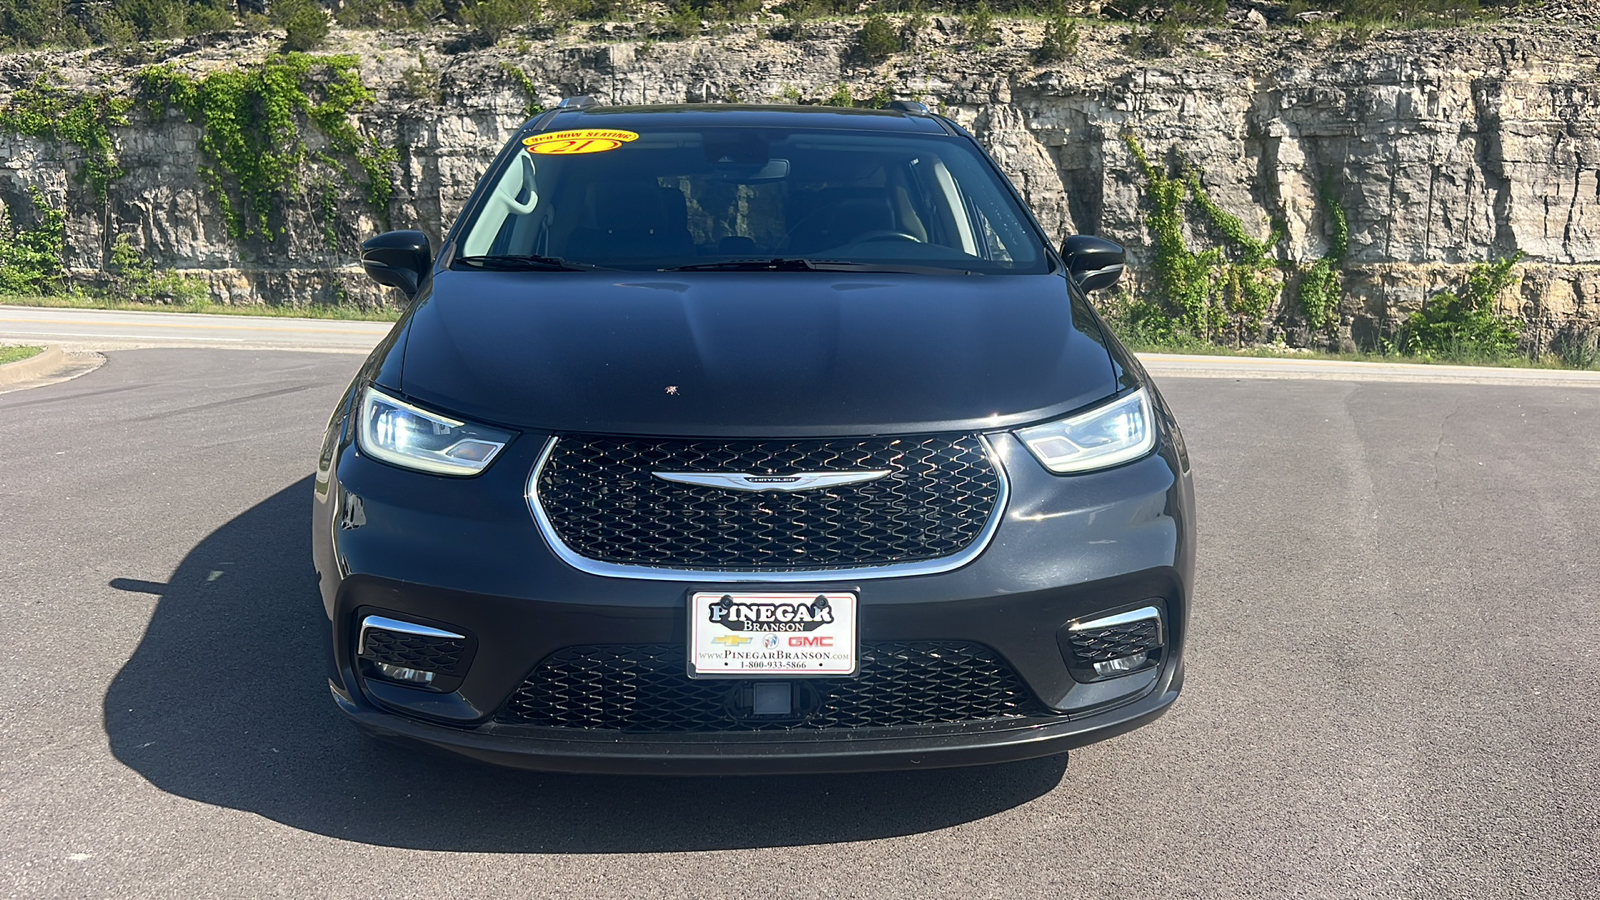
column 80, row 301
column 18, row 354
column 1464, row 356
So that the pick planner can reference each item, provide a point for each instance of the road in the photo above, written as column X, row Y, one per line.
column 105, row 330
column 97, row 329
column 1391, row 693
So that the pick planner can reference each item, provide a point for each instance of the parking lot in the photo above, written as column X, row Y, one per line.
column 1391, row 684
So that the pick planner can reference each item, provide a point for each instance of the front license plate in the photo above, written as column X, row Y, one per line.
column 742, row 635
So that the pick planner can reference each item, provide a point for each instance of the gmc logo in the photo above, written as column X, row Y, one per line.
column 809, row 640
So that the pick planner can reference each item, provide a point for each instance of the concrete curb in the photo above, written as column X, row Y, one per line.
column 40, row 365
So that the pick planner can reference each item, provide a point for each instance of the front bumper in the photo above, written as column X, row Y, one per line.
column 466, row 554
column 793, row 756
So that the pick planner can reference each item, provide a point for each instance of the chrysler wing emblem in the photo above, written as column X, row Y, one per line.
column 744, row 481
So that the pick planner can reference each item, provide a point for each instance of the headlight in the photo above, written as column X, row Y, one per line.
column 399, row 433
column 1115, row 433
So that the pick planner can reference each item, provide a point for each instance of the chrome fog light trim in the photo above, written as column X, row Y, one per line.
column 383, row 623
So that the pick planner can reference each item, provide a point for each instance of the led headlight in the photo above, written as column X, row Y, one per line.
column 1115, row 433
column 399, row 433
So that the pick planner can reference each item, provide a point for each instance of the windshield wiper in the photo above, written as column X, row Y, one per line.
column 527, row 261
column 752, row 265
column 797, row 264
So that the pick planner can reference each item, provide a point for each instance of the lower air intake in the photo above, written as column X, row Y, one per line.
column 643, row 689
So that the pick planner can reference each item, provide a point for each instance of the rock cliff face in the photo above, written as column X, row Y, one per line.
column 1444, row 149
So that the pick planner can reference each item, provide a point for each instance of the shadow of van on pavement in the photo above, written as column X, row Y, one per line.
column 225, row 701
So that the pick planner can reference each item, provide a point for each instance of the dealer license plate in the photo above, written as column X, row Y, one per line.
column 788, row 635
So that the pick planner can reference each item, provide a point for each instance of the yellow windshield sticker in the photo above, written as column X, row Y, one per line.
column 584, row 140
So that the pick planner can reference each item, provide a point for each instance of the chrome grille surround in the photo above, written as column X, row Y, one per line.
column 583, row 563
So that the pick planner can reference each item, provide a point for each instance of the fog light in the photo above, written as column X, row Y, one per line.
column 401, row 673
column 1121, row 664
column 412, row 654
column 1110, row 646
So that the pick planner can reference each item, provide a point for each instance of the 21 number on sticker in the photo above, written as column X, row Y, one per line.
column 574, row 143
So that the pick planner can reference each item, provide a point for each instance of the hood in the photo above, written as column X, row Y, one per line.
column 772, row 354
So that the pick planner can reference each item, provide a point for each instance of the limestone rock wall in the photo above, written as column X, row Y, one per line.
column 1445, row 148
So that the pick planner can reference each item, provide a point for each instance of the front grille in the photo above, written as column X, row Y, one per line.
column 643, row 689
column 605, row 505
column 1116, row 641
column 413, row 651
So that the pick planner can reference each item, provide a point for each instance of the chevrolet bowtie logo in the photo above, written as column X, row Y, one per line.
column 744, row 481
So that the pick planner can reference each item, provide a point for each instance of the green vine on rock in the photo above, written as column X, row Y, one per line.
column 530, row 93
column 250, row 121
column 30, row 258
column 1234, row 282
column 85, row 120
column 1320, row 292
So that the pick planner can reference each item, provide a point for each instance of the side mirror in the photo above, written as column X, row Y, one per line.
column 399, row 259
column 1092, row 263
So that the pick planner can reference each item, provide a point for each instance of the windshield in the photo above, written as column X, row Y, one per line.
column 744, row 197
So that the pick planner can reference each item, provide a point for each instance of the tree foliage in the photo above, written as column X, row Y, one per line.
column 74, row 23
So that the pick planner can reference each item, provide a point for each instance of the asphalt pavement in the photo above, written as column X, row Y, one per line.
column 1391, row 688
column 92, row 329
column 98, row 329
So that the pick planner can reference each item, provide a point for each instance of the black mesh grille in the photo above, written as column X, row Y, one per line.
column 606, row 505
column 643, row 689
column 1101, row 644
column 412, row 651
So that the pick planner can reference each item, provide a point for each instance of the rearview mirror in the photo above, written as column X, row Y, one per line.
column 1092, row 263
column 399, row 259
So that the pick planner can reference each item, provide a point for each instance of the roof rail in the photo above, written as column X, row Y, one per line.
column 577, row 101
column 909, row 106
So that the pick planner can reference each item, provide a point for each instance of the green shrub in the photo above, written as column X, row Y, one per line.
column 979, row 27
column 1577, row 350
column 916, row 25
column 154, row 18
column 1142, row 324
column 1161, row 39
column 494, row 19
column 1060, row 41
column 304, row 23
column 414, row 14
column 592, row 10
column 878, row 38
column 205, row 17
column 134, row 279
column 683, row 23
column 30, row 258
column 1464, row 322
column 113, row 30
column 421, row 82
column 797, row 14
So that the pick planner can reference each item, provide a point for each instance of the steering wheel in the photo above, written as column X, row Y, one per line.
column 887, row 234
